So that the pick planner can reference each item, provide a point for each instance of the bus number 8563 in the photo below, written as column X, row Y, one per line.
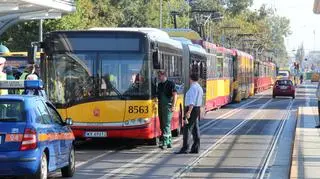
column 138, row 109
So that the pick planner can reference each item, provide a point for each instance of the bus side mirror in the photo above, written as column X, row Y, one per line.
column 32, row 53
column 155, row 59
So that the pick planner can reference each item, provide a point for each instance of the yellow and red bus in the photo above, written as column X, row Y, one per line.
column 264, row 75
column 105, row 80
column 243, row 77
column 217, row 77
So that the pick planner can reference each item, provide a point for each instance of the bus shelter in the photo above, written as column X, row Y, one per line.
column 14, row 11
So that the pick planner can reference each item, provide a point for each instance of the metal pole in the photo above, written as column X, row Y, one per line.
column 160, row 14
column 41, row 30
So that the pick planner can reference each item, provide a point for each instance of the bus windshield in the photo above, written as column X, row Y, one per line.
column 79, row 76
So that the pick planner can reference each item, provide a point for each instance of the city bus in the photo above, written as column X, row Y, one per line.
column 218, row 73
column 264, row 75
column 105, row 80
column 244, row 74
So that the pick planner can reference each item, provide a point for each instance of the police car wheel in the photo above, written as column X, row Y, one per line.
column 69, row 170
column 42, row 172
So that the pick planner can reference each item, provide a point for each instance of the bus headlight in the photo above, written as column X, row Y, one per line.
column 136, row 122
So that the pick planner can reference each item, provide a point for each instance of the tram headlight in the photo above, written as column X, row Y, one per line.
column 136, row 122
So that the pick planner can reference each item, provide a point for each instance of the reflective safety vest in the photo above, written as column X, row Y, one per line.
column 23, row 77
column 3, row 76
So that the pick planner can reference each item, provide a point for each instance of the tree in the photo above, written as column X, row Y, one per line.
column 236, row 7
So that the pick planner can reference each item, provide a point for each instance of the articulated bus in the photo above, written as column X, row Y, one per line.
column 219, row 69
column 244, row 84
column 105, row 80
column 264, row 75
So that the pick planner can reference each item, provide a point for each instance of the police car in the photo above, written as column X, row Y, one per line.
column 34, row 140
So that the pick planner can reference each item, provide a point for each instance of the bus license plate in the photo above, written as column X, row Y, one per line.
column 96, row 134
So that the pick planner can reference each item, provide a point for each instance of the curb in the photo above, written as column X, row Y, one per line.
column 298, row 118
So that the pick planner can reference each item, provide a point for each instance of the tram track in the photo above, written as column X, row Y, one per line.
column 180, row 173
column 265, row 164
column 156, row 153
column 262, row 171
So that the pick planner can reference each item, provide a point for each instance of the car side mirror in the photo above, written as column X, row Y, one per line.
column 156, row 60
column 68, row 121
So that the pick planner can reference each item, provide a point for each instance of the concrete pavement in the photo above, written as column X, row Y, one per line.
column 306, row 152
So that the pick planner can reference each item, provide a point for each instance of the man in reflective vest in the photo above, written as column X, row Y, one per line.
column 3, row 75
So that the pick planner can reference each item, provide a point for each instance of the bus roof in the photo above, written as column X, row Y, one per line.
column 153, row 33
column 186, row 33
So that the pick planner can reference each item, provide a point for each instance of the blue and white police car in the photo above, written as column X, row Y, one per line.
column 34, row 140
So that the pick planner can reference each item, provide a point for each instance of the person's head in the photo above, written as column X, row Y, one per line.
column 2, row 62
column 29, row 68
column 162, row 75
column 194, row 77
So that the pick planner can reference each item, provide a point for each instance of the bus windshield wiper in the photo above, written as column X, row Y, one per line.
column 116, row 91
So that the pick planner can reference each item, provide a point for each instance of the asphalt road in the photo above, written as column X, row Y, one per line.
column 243, row 140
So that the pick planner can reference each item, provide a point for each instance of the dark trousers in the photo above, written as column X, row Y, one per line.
column 319, row 109
column 192, row 127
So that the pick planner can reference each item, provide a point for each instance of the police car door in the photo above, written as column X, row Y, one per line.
column 64, row 142
column 46, row 134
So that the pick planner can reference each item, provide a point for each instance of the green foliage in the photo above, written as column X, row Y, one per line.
column 267, row 29
column 20, row 36
column 237, row 6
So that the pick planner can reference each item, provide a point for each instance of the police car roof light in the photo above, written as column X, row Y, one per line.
column 33, row 84
column 21, row 84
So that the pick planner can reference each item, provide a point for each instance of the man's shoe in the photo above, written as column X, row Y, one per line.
column 169, row 146
column 181, row 152
column 318, row 126
column 194, row 152
column 161, row 147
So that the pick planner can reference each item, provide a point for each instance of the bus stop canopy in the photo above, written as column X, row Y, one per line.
column 14, row 11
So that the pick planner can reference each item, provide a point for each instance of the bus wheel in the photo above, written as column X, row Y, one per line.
column 153, row 141
column 178, row 131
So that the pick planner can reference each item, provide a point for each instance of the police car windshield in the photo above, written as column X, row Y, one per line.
column 11, row 111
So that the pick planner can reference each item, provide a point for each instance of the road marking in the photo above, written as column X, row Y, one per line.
column 215, row 145
column 153, row 154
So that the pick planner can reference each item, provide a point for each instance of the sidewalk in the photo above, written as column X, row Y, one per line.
column 306, row 151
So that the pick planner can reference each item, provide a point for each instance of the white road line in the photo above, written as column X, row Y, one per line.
column 219, row 142
column 153, row 154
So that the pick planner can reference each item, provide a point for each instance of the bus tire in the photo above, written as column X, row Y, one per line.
column 153, row 141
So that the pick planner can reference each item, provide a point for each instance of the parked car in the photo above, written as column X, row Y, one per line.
column 283, row 87
column 34, row 140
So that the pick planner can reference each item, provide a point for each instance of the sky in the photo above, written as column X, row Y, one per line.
column 305, row 26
